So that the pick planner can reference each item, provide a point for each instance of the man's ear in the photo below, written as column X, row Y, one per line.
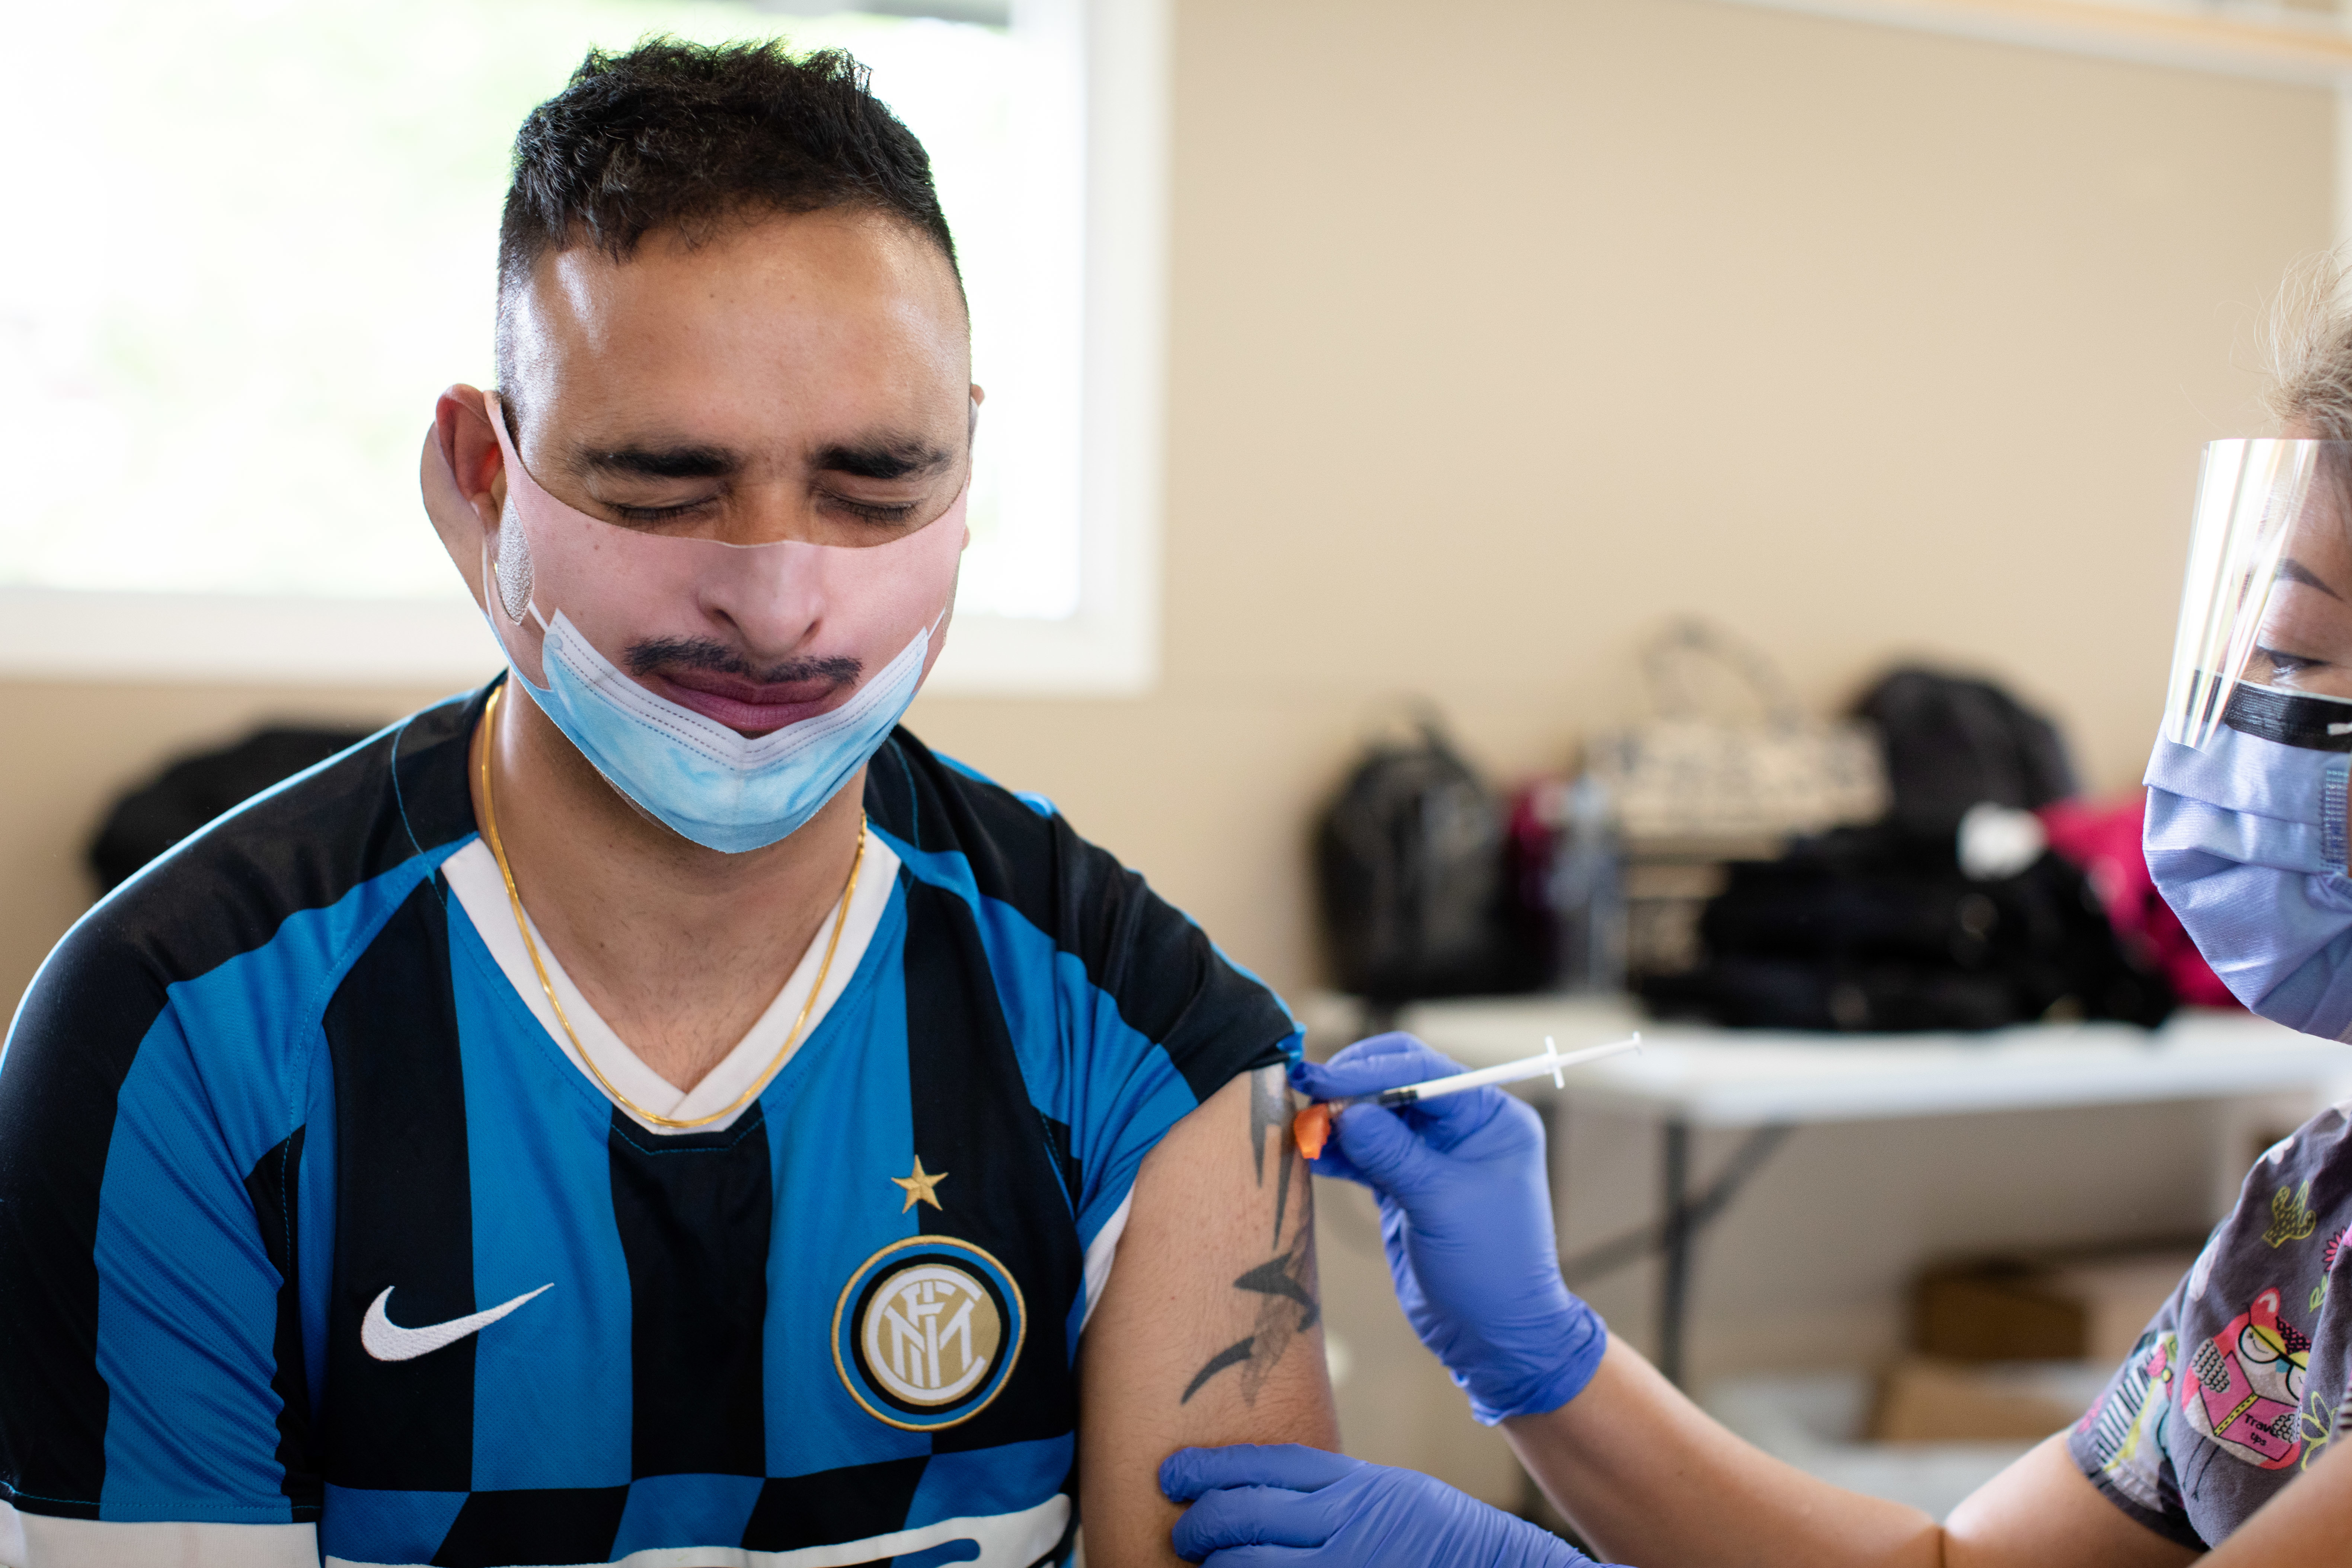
column 463, row 478
column 461, row 420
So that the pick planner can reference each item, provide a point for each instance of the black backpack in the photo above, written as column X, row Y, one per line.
column 1952, row 741
column 1409, row 871
column 193, row 790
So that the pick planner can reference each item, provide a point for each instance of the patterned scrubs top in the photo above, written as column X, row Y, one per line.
column 2239, row 1382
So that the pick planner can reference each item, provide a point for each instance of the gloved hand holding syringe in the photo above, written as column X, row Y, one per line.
column 1312, row 1126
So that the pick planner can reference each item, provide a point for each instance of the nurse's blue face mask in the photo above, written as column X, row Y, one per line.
column 2246, row 810
column 816, row 650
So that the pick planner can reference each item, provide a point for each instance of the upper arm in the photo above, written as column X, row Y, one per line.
column 2042, row 1511
column 2308, row 1521
column 1208, row 1330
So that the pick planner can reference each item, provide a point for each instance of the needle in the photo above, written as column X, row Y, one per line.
column 1312, row 1126
column 1547, row 1065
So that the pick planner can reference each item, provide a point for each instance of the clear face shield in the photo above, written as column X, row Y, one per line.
column 2247, row 826
column 2264, row 642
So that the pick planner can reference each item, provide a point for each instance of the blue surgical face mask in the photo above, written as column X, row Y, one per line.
column 2246, row 840
column 693, row 773
column 566, row 592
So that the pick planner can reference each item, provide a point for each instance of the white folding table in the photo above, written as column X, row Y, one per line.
column 1771, row 1082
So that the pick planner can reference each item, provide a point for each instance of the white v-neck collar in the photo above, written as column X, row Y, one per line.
column 473, row 875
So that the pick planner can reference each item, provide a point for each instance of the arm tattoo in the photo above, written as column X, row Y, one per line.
column 1231, row 1355
column 1270, row 1111
column 1285, row 1283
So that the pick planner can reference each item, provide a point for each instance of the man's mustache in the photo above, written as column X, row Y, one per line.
column 706, row 653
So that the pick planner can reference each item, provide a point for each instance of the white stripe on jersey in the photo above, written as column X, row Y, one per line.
column 1100, row 1253
column 1006, row 1541
column 38, row 1541
column 473, row 875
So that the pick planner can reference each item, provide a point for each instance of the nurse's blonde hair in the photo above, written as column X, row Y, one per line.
column 2309, row 340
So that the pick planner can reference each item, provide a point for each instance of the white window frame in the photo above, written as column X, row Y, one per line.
column 1110, row 647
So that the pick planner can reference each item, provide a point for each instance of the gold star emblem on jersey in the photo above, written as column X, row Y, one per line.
column 922, row 1187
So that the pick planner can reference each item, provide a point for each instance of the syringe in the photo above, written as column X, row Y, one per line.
column 1312, row 1126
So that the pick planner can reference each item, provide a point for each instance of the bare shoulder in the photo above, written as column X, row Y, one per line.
column 1209, row 1330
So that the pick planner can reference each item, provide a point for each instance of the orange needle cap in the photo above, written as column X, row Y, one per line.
column 1312, row 1127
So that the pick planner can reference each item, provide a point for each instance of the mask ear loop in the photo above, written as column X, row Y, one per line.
column 512, row 569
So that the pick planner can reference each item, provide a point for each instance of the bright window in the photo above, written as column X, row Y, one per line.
column 255, row 238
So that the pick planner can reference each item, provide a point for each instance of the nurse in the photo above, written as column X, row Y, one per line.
column 2217, row 1435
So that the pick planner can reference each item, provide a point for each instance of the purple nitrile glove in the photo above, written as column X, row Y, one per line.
column 1284, row 1506
column 1465, row 1215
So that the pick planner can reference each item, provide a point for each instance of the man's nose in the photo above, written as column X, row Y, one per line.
column 770, row 599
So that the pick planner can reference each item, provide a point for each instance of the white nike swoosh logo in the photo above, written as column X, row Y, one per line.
column 387, row 1340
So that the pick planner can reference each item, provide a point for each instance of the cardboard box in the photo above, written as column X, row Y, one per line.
column 2117, row 1295
column 1921, row 1400
column 2080, row 1309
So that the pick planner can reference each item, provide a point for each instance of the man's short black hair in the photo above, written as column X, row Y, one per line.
column 685, row 137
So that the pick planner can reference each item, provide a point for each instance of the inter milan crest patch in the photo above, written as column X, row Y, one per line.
column 926, row 1331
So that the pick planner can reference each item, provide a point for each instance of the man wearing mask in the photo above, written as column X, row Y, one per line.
column 2222, row 1431
column 652, row 1109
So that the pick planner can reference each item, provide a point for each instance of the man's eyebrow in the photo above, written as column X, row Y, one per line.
column 2294, row 570
column 881, row 459
column 664, row 462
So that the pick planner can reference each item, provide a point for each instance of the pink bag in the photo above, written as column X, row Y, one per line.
column 2102, row 839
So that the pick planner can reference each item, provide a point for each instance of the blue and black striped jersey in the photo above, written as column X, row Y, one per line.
column 309, row 1228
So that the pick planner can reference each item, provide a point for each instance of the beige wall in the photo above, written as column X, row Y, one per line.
column 1504, row 329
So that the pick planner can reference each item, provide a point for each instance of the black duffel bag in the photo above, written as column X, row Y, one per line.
column 1878, row 929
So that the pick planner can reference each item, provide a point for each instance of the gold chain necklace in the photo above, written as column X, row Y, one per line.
column 833, row 943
